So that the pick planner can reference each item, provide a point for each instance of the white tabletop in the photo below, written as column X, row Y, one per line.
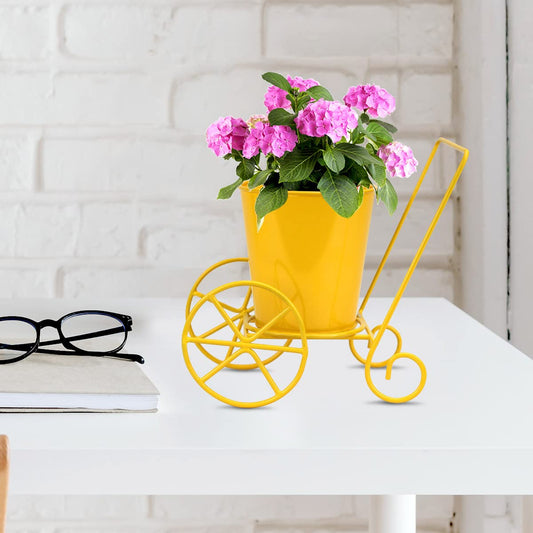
column 470, row 430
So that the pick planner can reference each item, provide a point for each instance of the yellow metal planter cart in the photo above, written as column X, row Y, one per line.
column 225, row 345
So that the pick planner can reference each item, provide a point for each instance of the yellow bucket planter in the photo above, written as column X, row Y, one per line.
column 312, row 255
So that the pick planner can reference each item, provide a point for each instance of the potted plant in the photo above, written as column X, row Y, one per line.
column 308, row 174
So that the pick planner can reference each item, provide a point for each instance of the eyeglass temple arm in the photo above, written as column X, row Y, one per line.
column 128, row 356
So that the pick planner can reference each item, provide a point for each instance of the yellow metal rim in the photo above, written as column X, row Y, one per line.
column 244, row 343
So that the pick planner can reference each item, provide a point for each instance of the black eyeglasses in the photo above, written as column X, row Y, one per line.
column 96, row 333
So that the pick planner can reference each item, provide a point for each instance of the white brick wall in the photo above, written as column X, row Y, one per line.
column 103, row 106
column 209, row 514
column 106, row 186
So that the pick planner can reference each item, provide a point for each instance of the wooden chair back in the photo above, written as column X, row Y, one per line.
column 4, row 478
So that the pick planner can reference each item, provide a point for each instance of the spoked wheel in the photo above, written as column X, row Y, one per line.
column 370, row 335
column 236, row 342
column 237, row 314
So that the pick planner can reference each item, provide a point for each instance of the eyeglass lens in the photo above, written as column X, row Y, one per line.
column 17, row 338
column 92, row 332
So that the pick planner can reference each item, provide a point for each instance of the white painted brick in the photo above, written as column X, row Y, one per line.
column 16, row 164
column 425, row 282
column 35, row 98
column 426, row 99
column 426, row 30
column 248, row 508
column 8, row 235
column 114, row 31
column 413, row 230
column 213, row 34
column 107, row 230
column 330, row 30
column 47, row 230
column 187, row 169
column 239, row 92
column 24, row 32
column 105, row 507
column 34, row 507
column 22, row 282
column 193, row 237
column 307, row 529
column 192, row 34
column 194, row 247
column 109, row 281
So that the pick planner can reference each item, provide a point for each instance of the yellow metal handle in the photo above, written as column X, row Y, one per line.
column 408, row 275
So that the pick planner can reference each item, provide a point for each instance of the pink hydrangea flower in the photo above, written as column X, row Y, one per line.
column 226, row 134
column 268, row 139
column 280, row 139
column 302, row 84
column 276, row 97
column 399, row 159
column 377, row 102
column 326, row 118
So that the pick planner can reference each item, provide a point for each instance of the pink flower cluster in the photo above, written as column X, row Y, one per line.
column 399, row 159
column 229, row 133
column 276, row 97
column 269, row 139
column 226, row 134
column 377, row 102
column 326, row 118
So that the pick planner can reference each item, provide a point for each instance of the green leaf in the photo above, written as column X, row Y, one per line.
column 388, row 196
column 292, row 100
column 318, row 92
column 357, row 173
column 386, row 125
column 280, row 117
column 270, row 198
column 227, row 192
column 364, row 118
column 378, row 174
column 296, row 165
column 245, row 169
column 360, row 196
column 259, row 178
column 357, row 135
column 277, row 79
column 340, row 193
column 334, row 159
column 365, row 182
column 303, row 101
column 358, row 154
column 379, row 134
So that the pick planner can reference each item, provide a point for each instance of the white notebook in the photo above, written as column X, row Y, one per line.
column 42, row 383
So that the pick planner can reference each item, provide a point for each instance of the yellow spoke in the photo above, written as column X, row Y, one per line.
column 266, row 373
column 200, row 295
column 230, row 348
column 271, row 347
column 225, row 316
column 221, row 365
column 223, row 325
column 230, row 308
column 247, row 298
column 268, row 325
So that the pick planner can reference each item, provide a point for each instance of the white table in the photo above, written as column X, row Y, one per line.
column 469, row 432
